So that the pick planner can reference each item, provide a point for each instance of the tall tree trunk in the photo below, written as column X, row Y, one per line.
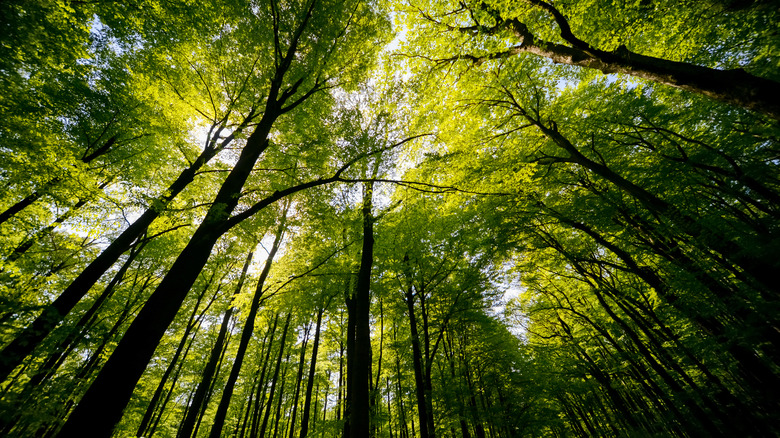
column 192, row 324
column 298, row 380
column 278, row 414
column 114, row 386
column 275, row 378
column 25, row 341
column 312, row 370
column 349, row 352
column 262, row 384
column 199, row 399
column 247, row 331
column 422, row 406
column 360, row 380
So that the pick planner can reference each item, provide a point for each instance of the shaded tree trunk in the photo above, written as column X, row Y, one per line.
column 25, row 341
column 192, row 324
column 200, row 399
column 246, row 332
column 275, row 378
column 312, row 370
column 422, row 406
column 736, row 87
column 360, row 372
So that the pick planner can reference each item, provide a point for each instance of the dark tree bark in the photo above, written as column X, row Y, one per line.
column 422, row 406
column 448, row 353
column 349, row 352
column 299, row 380
column 192, row 324
column 735, row 87
column 247, row 331
column 24, row 342
column 360, row 372
column 262, row 384
column 312, row 370
column 275, row 378
column 199, row 399
column 278, row 413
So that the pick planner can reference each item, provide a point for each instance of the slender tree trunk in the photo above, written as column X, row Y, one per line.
column 404, row 430
column 278, row 414
column 350, row 359
column 422, row 406
column 246, row 333
column 342, row 381
column 298, row 380
column 24, row 342
column 261, row 387
column 427, row 367
column 359, row 418
column 275, row 378
column 312, row 370
column 449, row 354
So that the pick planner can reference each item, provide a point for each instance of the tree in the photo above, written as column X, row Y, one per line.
column 524, row 247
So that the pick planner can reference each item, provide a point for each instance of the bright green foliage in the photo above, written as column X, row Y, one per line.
column 556, row 252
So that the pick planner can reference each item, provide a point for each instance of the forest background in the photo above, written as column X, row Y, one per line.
column 389, row 219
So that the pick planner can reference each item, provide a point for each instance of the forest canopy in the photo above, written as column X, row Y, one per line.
column 357, row 218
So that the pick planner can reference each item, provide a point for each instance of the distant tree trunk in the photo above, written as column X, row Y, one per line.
column 389, row 407
column 261, row 385
column 312, row 370
column 360, row 372
column 422, row 406
column 299, row 380
column 275, row 378
column 342, row 381
column 403, row 431
column 428, row 365
column 450, row 355
column 375, row 392
column 278, row 414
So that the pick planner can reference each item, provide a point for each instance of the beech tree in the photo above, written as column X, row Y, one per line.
column 389, row 219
